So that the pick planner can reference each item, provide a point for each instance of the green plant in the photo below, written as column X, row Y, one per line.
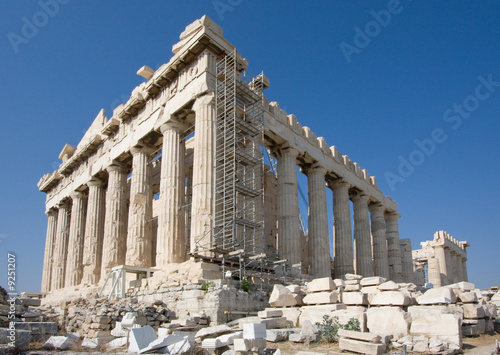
column 175, row 272
column 328, row 330
column 245, row 285
column 206, row 285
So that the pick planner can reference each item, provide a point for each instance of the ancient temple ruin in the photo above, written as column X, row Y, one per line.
column 198, row 165
column 441, row 261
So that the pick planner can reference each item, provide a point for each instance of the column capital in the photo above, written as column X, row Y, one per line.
column 77, row 194
column 203, row 101
column 115, row 166
column 289, row 150
column 94, row 181
column 141, row 148
column 315, row 168
column 172, row 123
column 392, row 216
column 360, row 196
column 376, row 207
column 339, row 184
column 64, row 203
column 51, row 212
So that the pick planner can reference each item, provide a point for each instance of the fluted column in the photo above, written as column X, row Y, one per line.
column 202, row 204
column 393, row 246
column 343, row 262
column 362, row 238
column 440, row 253
column 318, row 237
column 433, row 273
column 457, row 267
column 288, row 207
column 94, row 232
column 61, row 246
column 464, row 270
column 115, row 221
column 74, row 270
column 139, row 236
column 171, row 243
column 380, row 257
column 49, row 250
column 187, row 210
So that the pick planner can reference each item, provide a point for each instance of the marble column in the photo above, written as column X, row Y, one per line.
column 433, row 273
column 139, row 235
column 457, row 266
column 440, row 254
column 343, row 262
column 115, row 220
column 289, row 246
column 61, row 246
column 50, row 239
column 464, row 270
column 393, row 246
column 362, row 237
column 187, row 211
column 202, row 204
column 94, row 232
column 171, row 243
column 318, row 237
column 74, row 271
column 380, row 256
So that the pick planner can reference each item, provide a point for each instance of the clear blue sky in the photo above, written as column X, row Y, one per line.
column 402, row 82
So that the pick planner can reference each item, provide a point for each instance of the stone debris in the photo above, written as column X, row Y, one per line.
column 59, row 343
column 440, row 295
column 322, row 284
column 277, row 335
column 322, row 298
column 117, row 343
column 372, row 281
column 359, row 342
column 246, row 345
column 213, row 331
column 282, row 297
column 254, row 331
column 446, row 327
column 94, row 343
column 140, row 338
column 390, row 298
column 160, row 343
column 270, row 313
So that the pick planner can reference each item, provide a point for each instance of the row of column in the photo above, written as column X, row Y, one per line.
column 376, row 249
column 446, row 267
column 89, row 235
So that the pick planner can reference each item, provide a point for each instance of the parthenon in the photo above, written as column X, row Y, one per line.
column 199, row 164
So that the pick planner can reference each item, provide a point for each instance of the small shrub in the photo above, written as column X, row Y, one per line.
column 175, row 272
column 245, row 285
column 328, row 330
column 206, row 285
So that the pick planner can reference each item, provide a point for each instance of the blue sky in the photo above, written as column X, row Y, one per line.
column 399, row 82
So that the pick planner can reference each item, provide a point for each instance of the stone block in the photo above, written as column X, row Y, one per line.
column 117, row 343
column 339, row 283
column 303, row 337
column 362, row 347
column 270, row 313
column 322, row 284
column 38, row 328
column 291, row 314
column 388, row 320
column 277, row 323
column 421, row 346
column 370, row 289
column 390, row 298
column 182, row 347
column 315, row 313
column 463, row 286
column 58, row 343
column 322, row 298
column 221, row 341
column 473, row 311
column 354, row 298
column 33, row 302
column 140, row 338
column 469, row 330
column 293, row 288
column 282, row 297
column 160, row 343
column 490, row 310
column 423, row 311
column 388, row 286
column 490, row 326
column 213, row 331
column 277, row 335
column 254, row 331
column 446, row 327
column 306, row 353
column 353, row 277
column 356, row 287
column 440, row 295
column 244, row 345
column 372, row 281
column 479, row 323
column 468, row 297
column 94, row 343
column 351, row 282
column 21, row 338
column 370, row 337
